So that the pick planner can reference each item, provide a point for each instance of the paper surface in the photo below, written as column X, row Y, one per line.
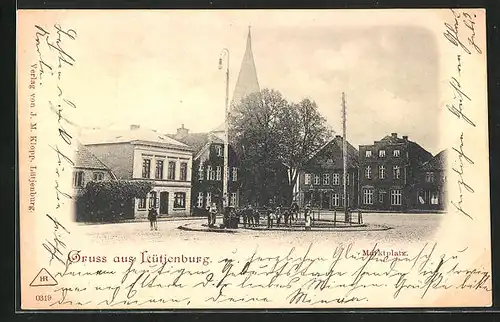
column 415, row 73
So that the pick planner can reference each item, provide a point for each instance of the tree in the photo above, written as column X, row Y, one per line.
column 254, row 128
column 305, row 132
column 275, row 139
column 109, row 201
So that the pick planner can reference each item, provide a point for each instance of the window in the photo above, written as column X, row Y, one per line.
column 335, row 199
column 209, row 171
column 326, row 179
column 368, row 196
column 381, row 153
column 347, row 178
column 336, row 179
column 396, row 197
column 146, row 168
column 152, row 199
column 429, row 177
column 424, row 197
column 212, row 174
column 171, row 170
column 184, row 172
column 209, row 199
column 381, row 196
column 98, row 176
column 381, row 172
column 218, row 150
column 343, row 200
column 232, row 201
column 396, row 153
column 434, row 198
column 180, row 200
column 316, row 179
column 307, row 178
column 159, row 169
column 219, row 173
column 199, row 201
column 396, row 172
column 141, row 203
column 235, row 174
column 200, row 171
column 368, row 172
column 78, row 179
column 368, row 154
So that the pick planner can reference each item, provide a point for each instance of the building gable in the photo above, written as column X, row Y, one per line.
column 331, row 156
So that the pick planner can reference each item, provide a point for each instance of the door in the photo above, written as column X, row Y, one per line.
column 163, row 203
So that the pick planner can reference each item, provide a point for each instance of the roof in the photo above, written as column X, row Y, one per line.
column 393, row 139
column 332, row 154
column 86, row 159
column 194, row 140
column 438, row 162
column 247, row 82
column 130, row 136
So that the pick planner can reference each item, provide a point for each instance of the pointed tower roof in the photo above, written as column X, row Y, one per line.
column 247, row 82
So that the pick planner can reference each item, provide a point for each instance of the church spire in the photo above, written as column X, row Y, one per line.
column 247, row 82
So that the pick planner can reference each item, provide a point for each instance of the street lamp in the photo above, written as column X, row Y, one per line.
column 225, row 53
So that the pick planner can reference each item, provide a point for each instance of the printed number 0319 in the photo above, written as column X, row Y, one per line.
column 43, row 298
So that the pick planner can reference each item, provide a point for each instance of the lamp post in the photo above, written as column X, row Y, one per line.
column 225, row 53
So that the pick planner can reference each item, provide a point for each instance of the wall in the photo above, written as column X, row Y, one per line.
column 164, row 185
column 88, row 175
column 215, row 187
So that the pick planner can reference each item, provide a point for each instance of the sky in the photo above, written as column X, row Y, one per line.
column 159, row 69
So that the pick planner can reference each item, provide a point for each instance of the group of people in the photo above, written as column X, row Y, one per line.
column 285, row 217
column 250, row 216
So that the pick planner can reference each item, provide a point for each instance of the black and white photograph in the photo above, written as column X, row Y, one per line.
column 257, row 158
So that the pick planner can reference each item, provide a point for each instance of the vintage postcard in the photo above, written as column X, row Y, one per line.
column 224, row 159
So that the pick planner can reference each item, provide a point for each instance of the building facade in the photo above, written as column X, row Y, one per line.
column 321, row 183
column 429, row 189
column 208, row 170
column 388, row 169
column 142, row 154
column 88, row 168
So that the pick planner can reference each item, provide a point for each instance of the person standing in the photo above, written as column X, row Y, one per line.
column 213, row 214
column 307, row 216
column 209, row 214
column 256, row 218
column 244, row 213
column 269, row 214
column 250, row 216
column 294, row 211
column 153, row 218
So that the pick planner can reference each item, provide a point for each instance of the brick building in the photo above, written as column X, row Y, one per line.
column 388, row 169
column 321, row 182
column 143, row 154
column 429, row 188
column 208, row 169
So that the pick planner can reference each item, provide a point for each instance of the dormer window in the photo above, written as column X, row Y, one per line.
column 396, row 153
column 368, row 154
column 381, row 153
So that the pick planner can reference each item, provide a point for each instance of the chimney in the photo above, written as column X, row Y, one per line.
column 394, row 135
column 405, row 137
column 182, row 133
column 134, row 126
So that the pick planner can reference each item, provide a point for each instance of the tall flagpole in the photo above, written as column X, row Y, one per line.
column 344, row 155
column 225, row 178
